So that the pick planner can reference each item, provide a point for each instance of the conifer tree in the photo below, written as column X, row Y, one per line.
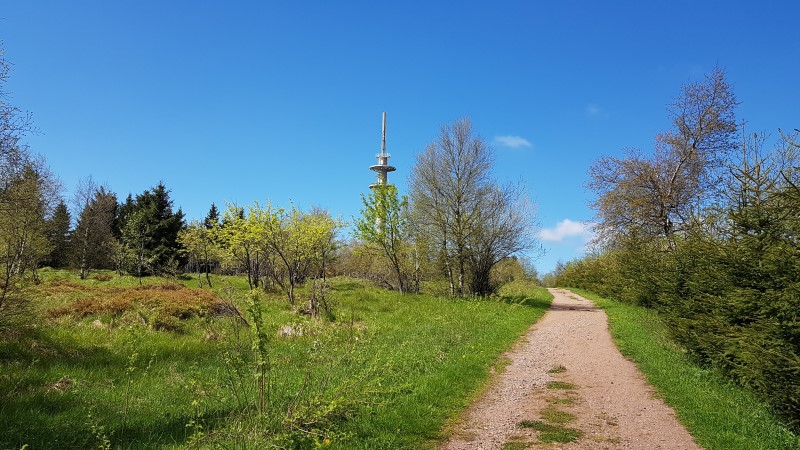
column 154, row 234
column 58, row 230
column 94, row 233
column 124, row 210
column 212, row 218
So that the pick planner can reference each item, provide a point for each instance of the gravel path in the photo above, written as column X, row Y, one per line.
column 598, row 395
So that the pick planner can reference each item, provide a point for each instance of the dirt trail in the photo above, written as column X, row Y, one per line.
column 567, row 381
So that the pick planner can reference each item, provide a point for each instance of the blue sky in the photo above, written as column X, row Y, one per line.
column 238, row 101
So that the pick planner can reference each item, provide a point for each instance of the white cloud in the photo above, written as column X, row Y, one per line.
column 566, row 229
column 512, row 141
column 593, row 110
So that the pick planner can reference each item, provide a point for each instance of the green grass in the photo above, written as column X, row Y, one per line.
column 561, row 435
column 717, row 413
column 387, row 373
column 554, row 415
column 515, row 445
column 560, row 385
column 549, row 433
column 557, row 369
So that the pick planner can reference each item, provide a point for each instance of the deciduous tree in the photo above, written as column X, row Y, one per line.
column 504, row 227
column 293, row 239
column 199, row 243
column 384, row 227
column 241, row 237
column 458, row 205
column 659, row 194
column 136, row 239
column 28, row 192
column 447, row 184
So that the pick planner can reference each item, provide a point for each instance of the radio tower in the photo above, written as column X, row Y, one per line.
column 383, row 168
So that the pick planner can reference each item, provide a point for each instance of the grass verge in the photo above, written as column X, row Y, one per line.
column 717, row 413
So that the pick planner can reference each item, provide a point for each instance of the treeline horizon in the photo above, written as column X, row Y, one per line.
column 458, row 226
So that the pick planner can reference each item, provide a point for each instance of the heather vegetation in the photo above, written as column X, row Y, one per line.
column 704, row 230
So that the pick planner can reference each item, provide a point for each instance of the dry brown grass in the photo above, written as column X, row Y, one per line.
column 64, row 286
column 168, row 300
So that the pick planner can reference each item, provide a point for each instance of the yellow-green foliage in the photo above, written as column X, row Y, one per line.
column 286, row 244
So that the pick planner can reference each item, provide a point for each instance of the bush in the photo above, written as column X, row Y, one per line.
column 733, row 305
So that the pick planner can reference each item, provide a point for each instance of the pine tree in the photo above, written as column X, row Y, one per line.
column 212, row 219
column 124, row 210
column 153, row 209
column 94, row 234
column 58, row 232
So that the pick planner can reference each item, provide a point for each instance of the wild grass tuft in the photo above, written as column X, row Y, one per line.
column 515, row 445
column 561, row 435
column 554, row 415
column 552, row 433
column 560, row 385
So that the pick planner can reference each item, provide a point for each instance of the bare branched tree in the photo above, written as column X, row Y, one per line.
column 458, row 206
column 447, row 185
column 505, row 227
column 658, row 195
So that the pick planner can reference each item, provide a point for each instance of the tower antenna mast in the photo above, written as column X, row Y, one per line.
column 383, row 138
column 382, row 168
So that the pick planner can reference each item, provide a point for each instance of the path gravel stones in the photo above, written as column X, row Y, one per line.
column 598, row 395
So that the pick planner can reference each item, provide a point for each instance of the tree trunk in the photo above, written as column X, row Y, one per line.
column 256, row 268
column 291, row 290
column 481, row 283
column 206, row 268
column 461, row 272
column 248, row 268
column 199, row 275
column 84, row 257
column 448, row 267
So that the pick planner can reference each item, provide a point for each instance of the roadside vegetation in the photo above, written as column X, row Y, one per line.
column 110, row 363
column 704, row 230
column 717, row 413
